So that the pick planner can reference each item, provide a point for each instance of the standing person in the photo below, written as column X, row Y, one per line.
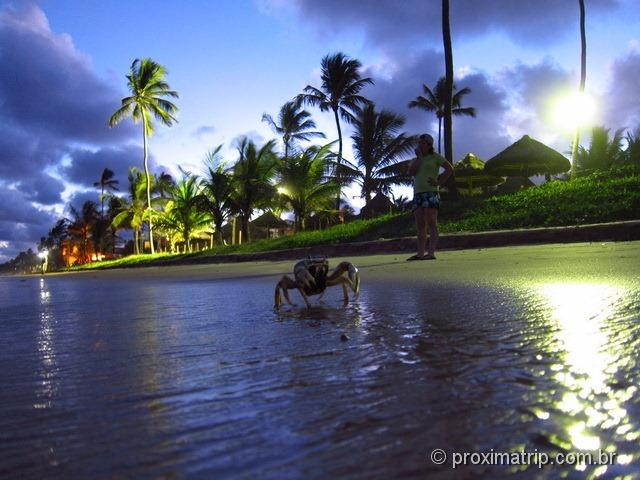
column 426, row 200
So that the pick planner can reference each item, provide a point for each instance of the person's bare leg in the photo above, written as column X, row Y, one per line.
column 432, row 223
column 421, row 227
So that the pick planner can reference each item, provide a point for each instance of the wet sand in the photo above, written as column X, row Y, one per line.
column 187, row 372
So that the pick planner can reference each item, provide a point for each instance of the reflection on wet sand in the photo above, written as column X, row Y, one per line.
column 47, row 387
column 584, row 317
column 163, row 377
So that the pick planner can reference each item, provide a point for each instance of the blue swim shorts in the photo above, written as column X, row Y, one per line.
column 426, row 200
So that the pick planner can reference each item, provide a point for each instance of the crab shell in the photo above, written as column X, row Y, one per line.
column 311, row 275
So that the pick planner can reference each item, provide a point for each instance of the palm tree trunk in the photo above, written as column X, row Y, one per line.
column 244, row 227
column 146, row 171
column 219, row 232
column 439, row 133
column 136, row 247
column 335, row 112
column 583, row 78
column 448, row 59
column 102, row 202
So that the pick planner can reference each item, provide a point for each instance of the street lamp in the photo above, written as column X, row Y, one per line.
column 44, row 255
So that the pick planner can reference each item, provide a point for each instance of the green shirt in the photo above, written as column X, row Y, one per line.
column 429, row 169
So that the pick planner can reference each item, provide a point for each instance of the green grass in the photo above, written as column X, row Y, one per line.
column 594, row 199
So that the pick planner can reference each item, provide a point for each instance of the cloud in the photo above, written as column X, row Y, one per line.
column 395, row 23
column 623, row 96
column 393, row 91
column 203, row 131
column 252, row 135
column 79, row 198
column 21, row 224
column 43, row 189
column 87, row 165
column 55, row 110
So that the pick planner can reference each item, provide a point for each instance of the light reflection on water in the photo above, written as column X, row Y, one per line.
column 584, row 316
column 202, row 379
column 46, row 350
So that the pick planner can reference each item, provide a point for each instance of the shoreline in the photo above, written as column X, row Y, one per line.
column 474, row 266
column 613, row 231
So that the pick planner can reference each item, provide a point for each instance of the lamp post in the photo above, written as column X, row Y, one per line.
column 44, row 255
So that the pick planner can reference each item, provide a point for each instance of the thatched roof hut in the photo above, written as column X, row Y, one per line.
column 527, row 157
column 379, row 205
column 470, row 174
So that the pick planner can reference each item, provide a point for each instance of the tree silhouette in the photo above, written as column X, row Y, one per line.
column 435, row 101
column 339, row 92
column 146, row 82
column 293, row 125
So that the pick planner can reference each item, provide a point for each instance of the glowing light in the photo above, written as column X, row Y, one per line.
column 581, row 439
column 282, row 191
column 580, row 311
column 575, row 110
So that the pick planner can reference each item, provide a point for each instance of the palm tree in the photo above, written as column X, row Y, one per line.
column 116, row 205
column 303, row 183
column 218, row 188
column 339, row 92
column 293, row 124
column 133, row 211
column 435, row 101
column 164, row 184
column 583, row 77
column 146, row 81
column 632, row 152
column 253, row 173
column 448, row 89
column 378, row 147
column 182, row 214
column 106, row 182
column 80, row 228
column 602, row 153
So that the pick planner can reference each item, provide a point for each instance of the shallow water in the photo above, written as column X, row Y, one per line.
column 173, row 378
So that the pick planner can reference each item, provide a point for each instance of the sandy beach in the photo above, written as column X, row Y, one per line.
column 187, row 371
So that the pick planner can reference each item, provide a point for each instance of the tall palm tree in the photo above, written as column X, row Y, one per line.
column 182, row 213
column 293, row 124
column 448, row 127
column 378, row 146
column 106, row 182
column 218, row 188
column 253, row 173
column 435, row 101
column 339, row 92
column 303, row 183
column 146, row 81
column 583, row 77
column 133, row 212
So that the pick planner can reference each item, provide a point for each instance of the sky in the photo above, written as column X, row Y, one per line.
column 63, row 65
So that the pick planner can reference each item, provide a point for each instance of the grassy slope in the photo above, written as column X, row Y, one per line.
column 591, row 199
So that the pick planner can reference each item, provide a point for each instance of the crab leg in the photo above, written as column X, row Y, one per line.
column 283, row 285
column 352, row 279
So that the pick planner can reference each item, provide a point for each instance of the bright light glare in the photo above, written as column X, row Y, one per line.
column 575, row 110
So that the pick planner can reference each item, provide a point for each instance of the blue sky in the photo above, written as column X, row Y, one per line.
column 63, row 66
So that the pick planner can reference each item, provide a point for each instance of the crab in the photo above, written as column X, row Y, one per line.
column 312, row 277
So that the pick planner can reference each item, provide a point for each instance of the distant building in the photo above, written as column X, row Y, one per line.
column 379, row 205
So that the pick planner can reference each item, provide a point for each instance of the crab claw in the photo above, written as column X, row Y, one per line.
column 354, row 276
